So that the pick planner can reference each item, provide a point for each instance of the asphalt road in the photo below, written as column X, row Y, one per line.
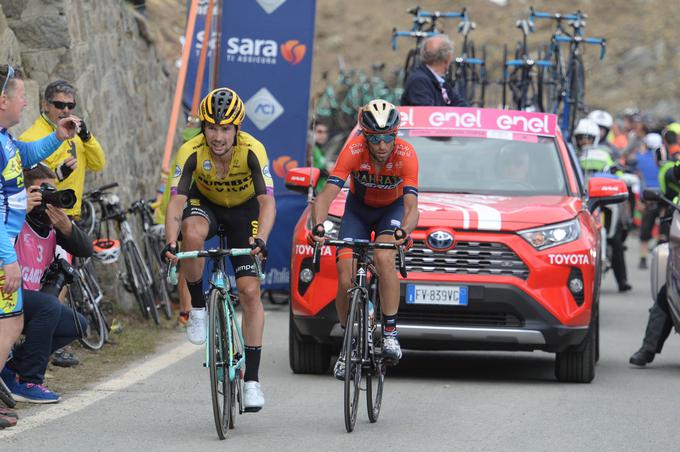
column 432, row 401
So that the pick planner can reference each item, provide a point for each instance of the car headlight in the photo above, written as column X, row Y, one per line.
column 331, row 225
column 553, row 235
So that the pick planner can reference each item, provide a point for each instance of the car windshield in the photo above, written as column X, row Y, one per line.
column 488, row 166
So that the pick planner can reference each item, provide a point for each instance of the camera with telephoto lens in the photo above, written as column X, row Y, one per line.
column 57, row 276
column 64, row 199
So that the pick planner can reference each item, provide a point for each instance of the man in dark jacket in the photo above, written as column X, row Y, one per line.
column 426, row 84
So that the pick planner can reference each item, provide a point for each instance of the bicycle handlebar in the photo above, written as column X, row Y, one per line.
column 413, row 34
column 602, row 42
column 439, row 14
column 360, row 244
column 578, row 15
column 214, row 253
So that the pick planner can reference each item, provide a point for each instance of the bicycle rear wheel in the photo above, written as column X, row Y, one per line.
column 157, row 269
column 81, row 301
column 88, row 217
column 577, row 90
column 375, row 379
column 220, row 385
column 353, row 358
column 141, row 280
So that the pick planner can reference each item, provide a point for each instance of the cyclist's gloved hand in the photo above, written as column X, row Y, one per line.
column 84, row 134
column 316, row 234
column 168, row 252
column 259, row 243
column 403, row 239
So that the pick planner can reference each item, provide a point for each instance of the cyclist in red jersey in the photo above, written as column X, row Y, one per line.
column 383, row 199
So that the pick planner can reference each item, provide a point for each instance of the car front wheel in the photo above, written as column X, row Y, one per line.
column 305, row 355
column 577, row 364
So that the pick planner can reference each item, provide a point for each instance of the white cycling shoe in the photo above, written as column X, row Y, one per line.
column 253, row 398
column 197, row 325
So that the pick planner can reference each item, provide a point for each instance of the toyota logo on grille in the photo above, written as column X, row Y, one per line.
column 440, row 240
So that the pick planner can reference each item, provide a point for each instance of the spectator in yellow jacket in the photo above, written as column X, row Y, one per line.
column 75, row 156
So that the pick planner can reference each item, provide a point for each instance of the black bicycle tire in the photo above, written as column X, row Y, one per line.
column 472, row 76
column 88, row 217
column 577, row 80
column 504, row 80
column 482, row 78
column 353, row 371
column 158, row 286
column 410, row 63
column 146, row 292
column 378, row 368
column 217, row 344
column 92, row 314
column 235, row 387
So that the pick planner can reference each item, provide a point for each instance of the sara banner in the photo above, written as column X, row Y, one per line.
column 265, row 55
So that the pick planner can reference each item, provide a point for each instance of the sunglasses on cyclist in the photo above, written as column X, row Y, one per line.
column 62, row 105
column 10, row 74
column 376, row 139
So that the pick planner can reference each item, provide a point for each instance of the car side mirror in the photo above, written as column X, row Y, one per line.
column 299, row 179
column 604, row 190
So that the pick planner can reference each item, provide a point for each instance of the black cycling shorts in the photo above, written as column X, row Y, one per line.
column 239, row 224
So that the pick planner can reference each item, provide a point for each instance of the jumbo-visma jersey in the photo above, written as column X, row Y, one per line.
column 377, row 188
column 248, row 173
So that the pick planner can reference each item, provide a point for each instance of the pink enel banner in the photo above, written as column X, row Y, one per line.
column 469, row 119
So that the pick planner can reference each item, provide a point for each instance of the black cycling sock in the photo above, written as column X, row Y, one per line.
column 196, row 291
column 390, row 325
column 252, row 363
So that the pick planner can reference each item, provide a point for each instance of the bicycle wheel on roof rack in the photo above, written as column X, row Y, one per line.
column 483, row 81
column 410, row 64
column 577, row 91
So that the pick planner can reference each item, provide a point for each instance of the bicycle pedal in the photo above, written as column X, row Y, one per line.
column 252, row 409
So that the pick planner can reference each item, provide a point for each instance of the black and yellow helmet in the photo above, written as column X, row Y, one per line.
column 222, row 106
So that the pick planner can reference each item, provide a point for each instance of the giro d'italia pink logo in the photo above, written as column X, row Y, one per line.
column 293, row 51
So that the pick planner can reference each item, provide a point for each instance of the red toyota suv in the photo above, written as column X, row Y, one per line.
column 506, row 255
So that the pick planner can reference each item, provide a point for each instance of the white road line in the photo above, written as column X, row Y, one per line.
column 101, row 391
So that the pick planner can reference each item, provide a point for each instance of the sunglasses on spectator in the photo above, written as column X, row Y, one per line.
column 376, row 139
column 62, row 105
column 10, row 74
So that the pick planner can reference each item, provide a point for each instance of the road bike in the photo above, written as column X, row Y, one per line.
column 224, row 354
column 153, row 241
column 363, row 340
column 566, row 78
column 522, row 75
column 136, row 277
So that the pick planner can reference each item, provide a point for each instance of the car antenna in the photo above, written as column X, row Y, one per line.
column 310, row 157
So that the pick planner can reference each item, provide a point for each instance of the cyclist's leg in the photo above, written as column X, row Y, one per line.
column 391, row 217
column 198, row 224
column 355, row 224
column 240, row 225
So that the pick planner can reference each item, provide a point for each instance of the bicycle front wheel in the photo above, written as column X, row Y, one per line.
column 218, row 348
column 141, row 280
column 375, row 379
column 353, row 348
column 81, row 301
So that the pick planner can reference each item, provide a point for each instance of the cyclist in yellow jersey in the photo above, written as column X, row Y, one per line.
column 222, row 178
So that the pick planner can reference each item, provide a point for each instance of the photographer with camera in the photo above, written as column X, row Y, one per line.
column 48, row 324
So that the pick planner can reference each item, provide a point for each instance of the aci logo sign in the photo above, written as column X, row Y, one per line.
column 293, row 51
column 270, row 5
column 263, row 108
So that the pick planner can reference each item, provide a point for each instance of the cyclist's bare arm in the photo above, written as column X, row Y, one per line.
column 266, row 217
column 173, row 217
column 411, row 213
column 323, row 203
